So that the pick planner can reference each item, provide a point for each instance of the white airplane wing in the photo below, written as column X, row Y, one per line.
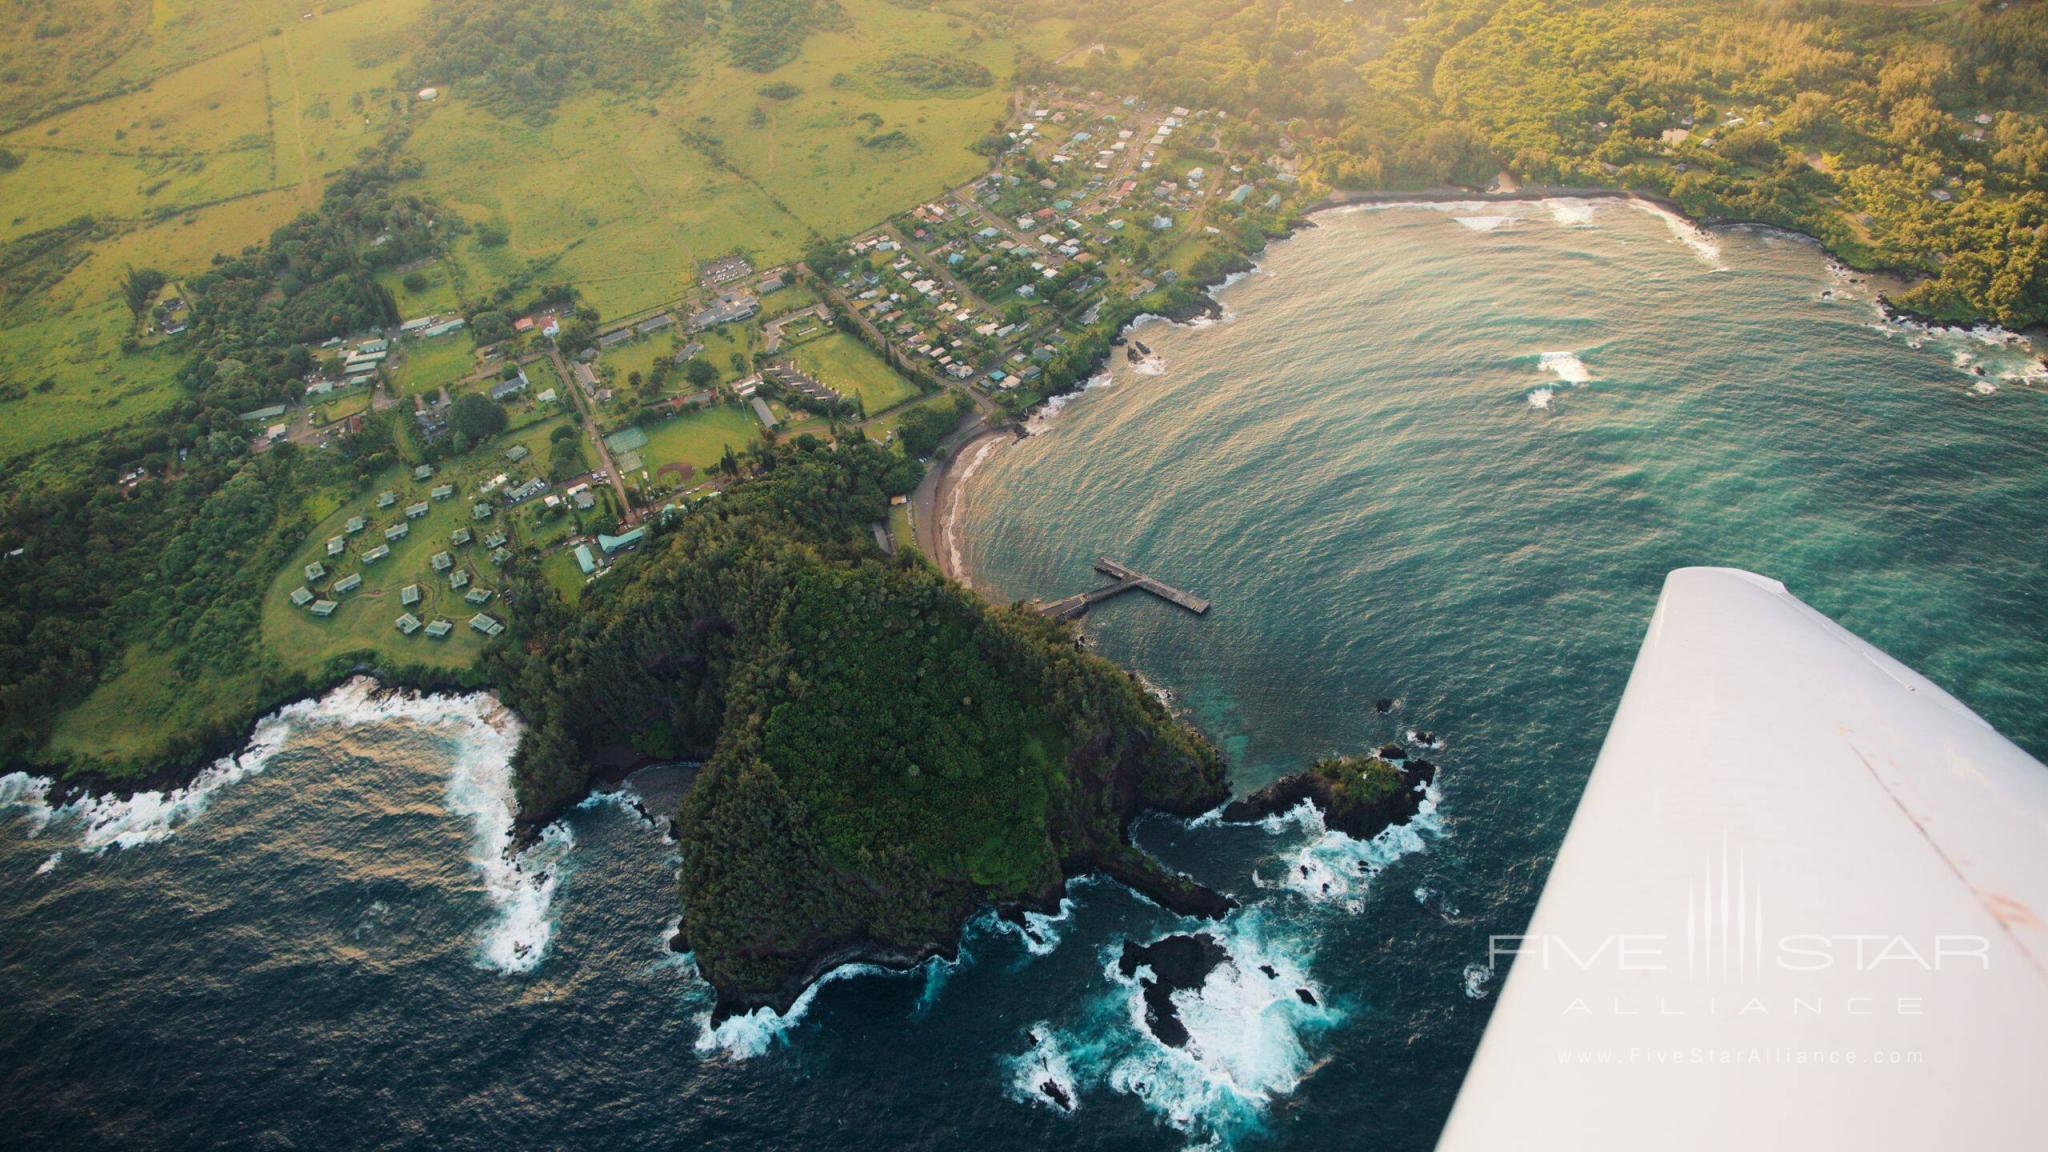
column 1801, row 905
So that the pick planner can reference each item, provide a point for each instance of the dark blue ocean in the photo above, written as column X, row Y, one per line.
column 1441, row 455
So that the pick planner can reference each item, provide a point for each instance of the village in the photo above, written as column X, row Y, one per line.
column 565, row 436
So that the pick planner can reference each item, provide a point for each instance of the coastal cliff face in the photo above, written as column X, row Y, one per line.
column 885, row 754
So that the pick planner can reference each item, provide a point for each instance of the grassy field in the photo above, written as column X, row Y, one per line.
column 843, row 363
column 699, row 439
column 430, row 364
column 366, row 619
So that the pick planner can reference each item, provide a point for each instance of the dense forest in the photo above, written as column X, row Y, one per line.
column 883, row 752
column 1913, row 140
column 523, row 57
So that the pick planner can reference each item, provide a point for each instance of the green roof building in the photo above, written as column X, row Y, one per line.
column 336, row 545
column 301, row 597
column 397, row 531
column 315, row 571
column 495, row 540
column 386, row 498
column 480, row 511
column 408, row 623
column 460, row 536
column 423, row 472
column 415, row 511
column 348, row 583
column 323, row 608
column 611, row 544
column 486, row 625
column 458, row 578
column 439, row 629
column 355, row 524
column 442, row 492
column 585, row 560
column 377, row 553
column 409, row 595
column 479, row 596
column 501, row 555
column 442, row 561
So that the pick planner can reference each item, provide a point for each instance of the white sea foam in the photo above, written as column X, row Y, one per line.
column 1334, row 868
column 1150, row 366
column 1694, row 237
column 949, row 516
column 1248, row 1034
column 1984, row 388
column 1566, row 366
column 1541, row 397
column 1570, row 213
column 1476, row 978
column 1484, row 223
column 751, row 1034
column 50, row 865
column 1041, row 932
column 1042, row 419
column 1044, row 1063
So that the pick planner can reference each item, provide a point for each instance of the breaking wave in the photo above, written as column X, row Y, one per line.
column 1331, row 867
column 1698, row 239
column 1541, row 397
column 1566, row 366
column 1484, row 223
column 1570, row 213
column 1042, row 419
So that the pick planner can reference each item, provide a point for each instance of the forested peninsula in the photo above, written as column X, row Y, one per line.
column 884, row 753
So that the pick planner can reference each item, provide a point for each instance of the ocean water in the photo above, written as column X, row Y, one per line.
column 1442, row 455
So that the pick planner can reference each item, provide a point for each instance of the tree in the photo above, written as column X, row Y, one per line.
column 700, row 373
column 476, row 417
column 139, row 287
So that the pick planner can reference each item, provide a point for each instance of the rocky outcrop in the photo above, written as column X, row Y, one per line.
column 1358, row 796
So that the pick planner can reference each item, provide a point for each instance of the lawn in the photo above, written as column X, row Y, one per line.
column 366, row 619
column 841, row 362
column 431, row 364
column 699, row 439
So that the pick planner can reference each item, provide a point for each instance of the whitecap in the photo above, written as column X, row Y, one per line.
column 50, row 865
column 1475, row 979
column 1041, row 932
column 1984, row 388
column 1484, row 223
column 1566, row 366
column 1541, row 397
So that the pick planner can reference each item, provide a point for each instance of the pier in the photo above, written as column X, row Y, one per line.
column 1124, row 578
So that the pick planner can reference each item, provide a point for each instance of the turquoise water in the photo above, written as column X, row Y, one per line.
column 322, row 946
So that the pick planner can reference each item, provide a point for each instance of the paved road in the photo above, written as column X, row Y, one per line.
column 587, row 408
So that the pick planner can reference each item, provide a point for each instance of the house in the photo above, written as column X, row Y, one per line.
column 653, row 324
column 443, row 491
column 480, row 511
column 355, row 524
column 444, row 328
column 547, row 397
column 495, row 540
column 585, row 560
column 376, row 554
column 516, row 453
column 347, row 584
column 687, row 353
column 614, row 338
column 335, row 545
column 398, row 532
column 323, row 608
column 527, row 490
column 460, row 536
column 586, row 376
column 500, row 555
column 439, row 629
column 611, row 544
column 485, row 624
column 315, row 571
column 479, row 596
column 262, row 414
column 509, row 386
column 301, row 597
column 386, row 498
column 423, row 472
column 415, row 511
column 408, row 623
column 729, row 310
column 442, row 562
column 459, row 578
column 767, row 418
column 409, row 595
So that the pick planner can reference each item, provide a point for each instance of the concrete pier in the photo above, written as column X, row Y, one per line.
column 1125, row 578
